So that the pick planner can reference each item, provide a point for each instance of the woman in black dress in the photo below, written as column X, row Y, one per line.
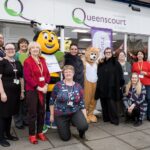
column 10, row 90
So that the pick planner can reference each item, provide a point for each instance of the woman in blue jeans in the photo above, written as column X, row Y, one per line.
column 67, row 105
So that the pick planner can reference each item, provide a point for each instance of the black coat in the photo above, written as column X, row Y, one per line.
column 110, row 79
column 77, row 63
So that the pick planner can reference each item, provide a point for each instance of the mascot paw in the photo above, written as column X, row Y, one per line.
column 92, row 118
column 88, row 119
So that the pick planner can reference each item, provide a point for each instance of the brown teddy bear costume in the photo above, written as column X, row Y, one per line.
column 90, row 73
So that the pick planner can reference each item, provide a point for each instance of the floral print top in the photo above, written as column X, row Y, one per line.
column 67, row 99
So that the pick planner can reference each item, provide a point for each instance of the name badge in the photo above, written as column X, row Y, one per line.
column 64, row 90
column 126, row 73
column 16, row 81
column 15, row 70
column 141, row 76
column 70, row 103
column 41, row 79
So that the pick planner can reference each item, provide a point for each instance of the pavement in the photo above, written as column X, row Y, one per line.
column 100, row 136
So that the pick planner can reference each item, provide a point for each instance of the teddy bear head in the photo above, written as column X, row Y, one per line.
column 92, row 54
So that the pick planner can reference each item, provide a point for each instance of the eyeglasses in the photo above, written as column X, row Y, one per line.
column 74, row 49
column 107, row 52
column 9, row 49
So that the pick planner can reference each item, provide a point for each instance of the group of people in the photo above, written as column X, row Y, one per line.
column 24, row 77
column 123, row 88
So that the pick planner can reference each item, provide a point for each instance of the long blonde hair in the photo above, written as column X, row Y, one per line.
column 138, row 86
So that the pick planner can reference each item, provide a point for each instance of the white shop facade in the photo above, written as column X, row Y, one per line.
column 129, row 27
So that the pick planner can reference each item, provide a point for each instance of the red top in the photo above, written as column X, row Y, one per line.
column 32, row 73
column 36, row 75
column 142, row 66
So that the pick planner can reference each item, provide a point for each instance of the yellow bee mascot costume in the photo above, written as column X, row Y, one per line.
column 50, row 51
column 90, row 79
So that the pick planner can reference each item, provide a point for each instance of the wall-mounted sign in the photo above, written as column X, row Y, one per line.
column 80, row 16
column 104, row 14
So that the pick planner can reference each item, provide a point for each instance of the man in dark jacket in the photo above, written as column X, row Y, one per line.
column 110, row 79
column 73, row 59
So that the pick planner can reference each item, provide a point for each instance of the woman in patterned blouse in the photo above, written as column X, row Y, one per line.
column 134, row 100
column 67, row 105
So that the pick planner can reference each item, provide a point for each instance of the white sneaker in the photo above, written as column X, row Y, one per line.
column 53, row 127
column 97, row 112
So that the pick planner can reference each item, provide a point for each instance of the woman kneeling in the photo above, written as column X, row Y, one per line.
column 67, row 105
column 134, row 100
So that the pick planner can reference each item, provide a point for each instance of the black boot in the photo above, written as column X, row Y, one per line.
column 4, row 143
column 148, row 118
column 137, row 122
column 82, row 134
column 12, row 138
column 127, row 119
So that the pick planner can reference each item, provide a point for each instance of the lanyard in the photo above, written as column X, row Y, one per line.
column 40, row 66
column 14, row 68
column 140, row 66
column 71, row 91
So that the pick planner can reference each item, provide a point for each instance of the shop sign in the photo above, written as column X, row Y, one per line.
column 82, row 17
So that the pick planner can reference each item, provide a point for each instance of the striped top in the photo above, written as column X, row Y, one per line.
column 138, row 100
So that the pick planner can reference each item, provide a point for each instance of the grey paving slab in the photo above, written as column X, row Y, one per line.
column 146, row 131
column 22, row 132
column 57, row 142
column 110, row 143
column 100, row 136
column 102, row 123
column 72, row 147
column 51, row 131
column 145, row 125
column 137, row 139
column 99, row 123
column 146, row 148
column 94, row 133
column 24, row 144
column 116, row 130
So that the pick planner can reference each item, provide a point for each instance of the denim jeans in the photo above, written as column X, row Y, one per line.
column 148, row 100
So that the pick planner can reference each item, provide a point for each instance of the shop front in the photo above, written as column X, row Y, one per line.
column 130, row 29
